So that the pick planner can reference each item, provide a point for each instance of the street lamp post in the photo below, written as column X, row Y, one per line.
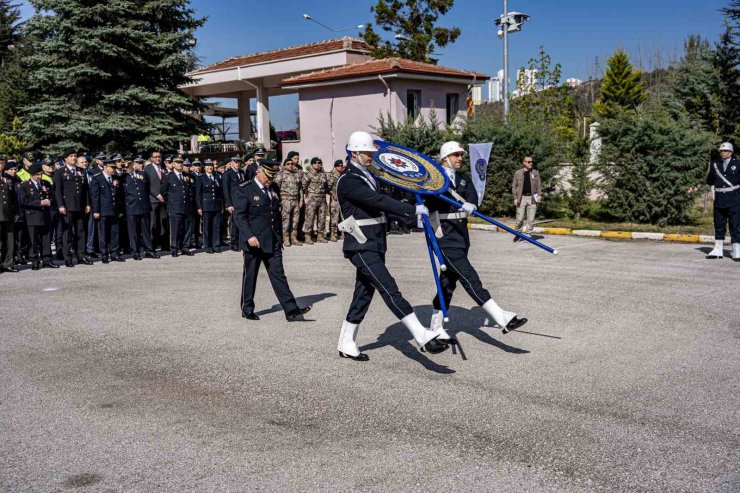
column 509, row 22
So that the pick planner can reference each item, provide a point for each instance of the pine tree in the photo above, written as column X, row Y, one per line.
column 621, row 88
column 13, row 50
column 105, row 75
column 414, row 19
column 727, row 64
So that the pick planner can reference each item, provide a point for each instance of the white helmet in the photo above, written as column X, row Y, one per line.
column 450, row 148
column 726, row 146
column 361, row 141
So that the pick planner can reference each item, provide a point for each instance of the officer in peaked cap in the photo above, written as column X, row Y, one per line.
column 257, row 215
column 35, row 198
column 72, row 198
column 9, row 213
column 724, row 176
column 138, row 210
column 232, row 178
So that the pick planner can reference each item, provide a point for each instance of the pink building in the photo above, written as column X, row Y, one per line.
column 340, row 87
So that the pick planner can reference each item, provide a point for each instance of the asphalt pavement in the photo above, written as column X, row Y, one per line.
column 142, row 376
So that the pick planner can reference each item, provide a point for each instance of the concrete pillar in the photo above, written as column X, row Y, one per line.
column 263, row 115
column 245, row 120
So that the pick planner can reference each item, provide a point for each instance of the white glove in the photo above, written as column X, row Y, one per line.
column 468, row 207
column 421, row 209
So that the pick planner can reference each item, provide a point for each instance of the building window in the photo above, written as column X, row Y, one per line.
column 453, row 106
column 413, row 104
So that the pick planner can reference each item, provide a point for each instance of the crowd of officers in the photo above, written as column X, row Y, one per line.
column 107, row 206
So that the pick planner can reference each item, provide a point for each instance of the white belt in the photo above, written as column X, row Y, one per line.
column 727, row 189
column 454, row 215
column 371, row 221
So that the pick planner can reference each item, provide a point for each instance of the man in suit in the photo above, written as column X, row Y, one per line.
column 106, row 192
column 176, row 189
column 257, row 215
column 8, row 217
column 35, row 198
column 138, row 209
column 232, row 178
column 195, row 171
column 91, row 172
column 451, row 229
column 158, row 216
column 71, row 192
column 724, row 176
column 209, row 201
column 364, row 207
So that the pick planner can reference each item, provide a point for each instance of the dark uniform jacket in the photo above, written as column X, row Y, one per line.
column 71, row 189
column 256, row 215
column 208, row 193
column 155, row 184
column 136, row 193
column 107, row 199
column 231, row 180
column 30, row 199
column 360, row 199
column 178, row 193
column 8, row 202
column 454, row 231
column 725, row 199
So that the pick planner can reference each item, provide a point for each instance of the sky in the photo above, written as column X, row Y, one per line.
column 574, row 32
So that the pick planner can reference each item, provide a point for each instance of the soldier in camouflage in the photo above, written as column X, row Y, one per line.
column 333, row 179
column 289, row 183
column 315, row 187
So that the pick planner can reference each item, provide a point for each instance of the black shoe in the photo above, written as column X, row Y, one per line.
column 736, row 259
column 234, row 249
column 217, row 250
column 60, row 254
column 434, row 347
column 11, row 269
column 209, row 251
column 50, row 264
column 516, row 239
column 250, row 316
column 361, row 357
column 35, row 265
column 69, row 263
column 106, row 259
column 93, row 255
column 137, row 256
column 118, row 258
column 85, row 260
column 175, row 254
column 297, row 313
column 451, row 341
column 514, row 324
column 21, row 261
column 187, row 252
column 151, row 255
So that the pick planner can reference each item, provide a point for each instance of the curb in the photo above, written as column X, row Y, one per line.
column 613, row 235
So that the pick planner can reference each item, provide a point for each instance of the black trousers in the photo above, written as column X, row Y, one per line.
column 197, row 230
column 274, row 266
column 139, row 233
column 73, row 234
column 177, row 231
column 40, row 237
column 721, row 216
column 372, row 274
column 123, row 241
column 57, row 229
column 160, row 226
column 189, row 241
column 233, row 233
column 460, row 269
column 211, row 230
column 7, row 244
column 22, row 240
column 108, row 235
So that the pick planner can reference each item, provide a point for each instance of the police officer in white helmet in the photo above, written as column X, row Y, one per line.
column 363, row 208
column 451, row 229
column 724, row 176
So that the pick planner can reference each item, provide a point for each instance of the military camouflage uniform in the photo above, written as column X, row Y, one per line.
column 289, row 183
column 315, row 186
column 333, row 179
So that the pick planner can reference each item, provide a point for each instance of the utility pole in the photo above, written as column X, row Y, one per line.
column 505, row 82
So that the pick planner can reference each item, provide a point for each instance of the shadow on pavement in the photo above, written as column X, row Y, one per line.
column 302, row 301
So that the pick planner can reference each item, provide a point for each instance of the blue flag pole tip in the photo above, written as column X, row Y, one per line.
column 443, row 267
column 447, row 319
column 554, row 252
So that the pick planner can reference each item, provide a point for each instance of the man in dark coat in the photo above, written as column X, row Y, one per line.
column 724, row 176
column 258, row 217
column 71, row 191
column 176, row 190
column 232, row 178
column 106, row 191
column 158, row 216
column 8, row 217
column 451, row 230
column 138, row 209
column 210, row 204
column 35, row 198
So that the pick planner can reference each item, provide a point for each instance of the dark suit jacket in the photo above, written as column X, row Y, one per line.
column 455, row 231
column 107, row 200
column 725, row 199
column 30, row 199
column 257, row 216
column 359, row 199
column 155, row 183
column 136, row 193
column 8, row 202
column 231, row 180
column 178, row 193
column 71, row 189
column 208, row 195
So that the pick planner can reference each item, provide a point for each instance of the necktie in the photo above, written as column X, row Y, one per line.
column 159, row 172
column 108, row 178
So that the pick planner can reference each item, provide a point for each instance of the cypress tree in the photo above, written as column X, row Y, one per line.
column 105, row 75
column 621, row 88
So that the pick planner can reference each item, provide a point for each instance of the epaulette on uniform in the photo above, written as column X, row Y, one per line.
column 245, row 183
